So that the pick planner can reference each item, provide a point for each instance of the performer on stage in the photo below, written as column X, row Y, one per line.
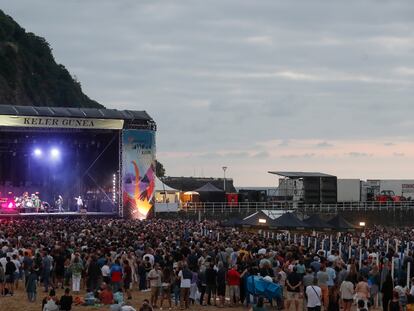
column 79, row 203
column 35, row 200
column 59, row 204
column 18, row 201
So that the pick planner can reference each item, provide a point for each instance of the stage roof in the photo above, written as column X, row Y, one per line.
column 300, row 174
column 66, row 112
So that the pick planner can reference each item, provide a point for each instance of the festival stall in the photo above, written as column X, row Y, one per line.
column 189, row 199
column 231, row 223
column 210, row 193
column 167, row 199
column 341, row 224
column 316, row 223
column 258, row 220
column 288, row 221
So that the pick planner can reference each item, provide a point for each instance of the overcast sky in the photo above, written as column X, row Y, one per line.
column 253, row 85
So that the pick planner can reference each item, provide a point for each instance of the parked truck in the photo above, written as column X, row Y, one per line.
column 349, row 190
column 395, row 190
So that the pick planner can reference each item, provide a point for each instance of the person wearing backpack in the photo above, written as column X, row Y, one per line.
column 314, row 296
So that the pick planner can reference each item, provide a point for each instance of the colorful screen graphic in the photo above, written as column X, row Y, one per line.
column 138, row 172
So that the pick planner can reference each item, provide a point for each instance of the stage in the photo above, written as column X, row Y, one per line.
column 99, row 160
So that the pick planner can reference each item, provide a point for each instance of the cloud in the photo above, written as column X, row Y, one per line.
column 298, row 76
column 358, row 154
column 260, row 40
column 323, row 144
column 200, row 103
column 406, row 71
column 159, row 47
column 389, row 144
column 284, row 143
column 260, row 155
column 224, row 155
column 313, row 76
column 395, row 43
column 222, row 76
column 398, row 154
column 296, row 156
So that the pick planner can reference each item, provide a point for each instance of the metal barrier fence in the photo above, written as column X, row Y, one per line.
column 223, row 207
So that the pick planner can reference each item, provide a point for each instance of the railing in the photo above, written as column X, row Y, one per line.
column 213, row 207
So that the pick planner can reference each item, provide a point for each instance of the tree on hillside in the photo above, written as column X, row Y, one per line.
column 159, row 169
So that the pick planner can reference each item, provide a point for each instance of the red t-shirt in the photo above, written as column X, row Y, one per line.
column 233, row 277
column 106, row 297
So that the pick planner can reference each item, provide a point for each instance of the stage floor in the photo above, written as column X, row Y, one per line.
column 64, row 214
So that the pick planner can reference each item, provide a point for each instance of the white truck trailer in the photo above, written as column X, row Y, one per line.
column 348, row 190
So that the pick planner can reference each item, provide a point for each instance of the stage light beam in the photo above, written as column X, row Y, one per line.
column 38, row 152
column 54, row 153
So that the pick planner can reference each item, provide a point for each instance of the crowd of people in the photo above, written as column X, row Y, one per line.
column 183, row 263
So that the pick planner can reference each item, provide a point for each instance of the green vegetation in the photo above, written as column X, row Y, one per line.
column 159, row 169
column 29, row 74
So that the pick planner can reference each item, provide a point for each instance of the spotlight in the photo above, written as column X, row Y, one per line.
column 10, row 205
column 38, row 152
column 54, row 152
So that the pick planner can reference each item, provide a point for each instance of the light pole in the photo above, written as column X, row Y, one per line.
column 224, row 180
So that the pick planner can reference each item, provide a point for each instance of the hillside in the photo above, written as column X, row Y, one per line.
column 29, row 75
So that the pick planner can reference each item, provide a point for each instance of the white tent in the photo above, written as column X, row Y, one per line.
column 160, row 186
column 166, row 198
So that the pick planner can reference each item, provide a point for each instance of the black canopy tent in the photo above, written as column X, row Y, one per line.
column 341, row 224
column 315, row 222
column 288, row 221
column 210, row 193
column 258, row 219
column 232, row 222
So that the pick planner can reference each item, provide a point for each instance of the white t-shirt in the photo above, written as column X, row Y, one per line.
column 3, row 262
column 400, row 290
column 150, row 258
column 17, row 264
column 282, row 277
column 314, row 294
column 185, row 283
column 347, row 290
column 154, row 277
column 332, row 258
column 12, row 252
column 412, row 291
column 105, row 270
column 79, row 201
